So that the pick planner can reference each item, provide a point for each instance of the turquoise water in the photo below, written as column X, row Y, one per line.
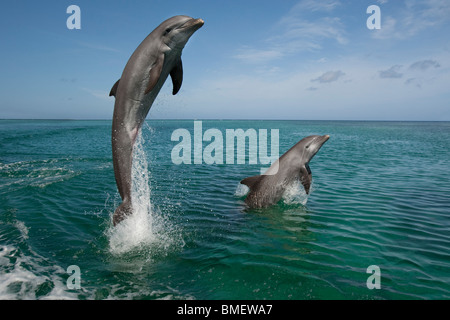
column 380, row 196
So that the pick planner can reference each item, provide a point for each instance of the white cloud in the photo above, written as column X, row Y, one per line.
column 313, row 5
column 414, row 17
column 367, row 80
column 97, row 46
column 302, row 30
column 252, row 55
column 360, row 93
column 388, row 29
column 296, row 33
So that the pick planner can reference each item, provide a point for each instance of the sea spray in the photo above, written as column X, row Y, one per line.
column 146, row 230
column 136, row 230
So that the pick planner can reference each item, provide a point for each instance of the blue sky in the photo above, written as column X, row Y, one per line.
column 303, row 59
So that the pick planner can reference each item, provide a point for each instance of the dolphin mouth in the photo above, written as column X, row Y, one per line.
column 193, row 25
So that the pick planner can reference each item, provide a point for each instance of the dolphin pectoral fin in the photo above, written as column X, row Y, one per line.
column 114, row 89
column 306, row 177
column 177, row 76
column 251, row 181
column 155, row 73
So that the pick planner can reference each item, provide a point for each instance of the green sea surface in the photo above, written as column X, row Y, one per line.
column 380, row 197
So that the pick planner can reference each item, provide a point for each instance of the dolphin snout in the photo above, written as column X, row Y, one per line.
column 198, row 23
column 193, row 24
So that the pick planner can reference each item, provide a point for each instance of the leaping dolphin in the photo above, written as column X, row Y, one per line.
column 145, row 73
column 267, row 189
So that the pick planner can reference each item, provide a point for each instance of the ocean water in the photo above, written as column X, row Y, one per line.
column 380, row 197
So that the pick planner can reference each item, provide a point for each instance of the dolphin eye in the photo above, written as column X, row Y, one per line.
column 168, row 31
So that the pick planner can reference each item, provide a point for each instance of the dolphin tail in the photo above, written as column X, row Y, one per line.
column 125, row 209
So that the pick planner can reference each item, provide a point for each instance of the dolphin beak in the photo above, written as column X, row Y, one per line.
column 198, row 23
column 322, row 140
column 193, row 25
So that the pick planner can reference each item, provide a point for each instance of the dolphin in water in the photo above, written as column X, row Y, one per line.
column 267, row 189
column 145, row 73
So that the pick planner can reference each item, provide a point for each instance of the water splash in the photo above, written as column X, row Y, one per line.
column 146, row 230
column 295, row 194
column 241, row 190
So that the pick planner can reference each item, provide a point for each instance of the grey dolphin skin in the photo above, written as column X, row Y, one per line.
column 145, row 73
column 267, row 189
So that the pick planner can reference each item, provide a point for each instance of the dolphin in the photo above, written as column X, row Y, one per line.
column 155, row 58
column 268, row 188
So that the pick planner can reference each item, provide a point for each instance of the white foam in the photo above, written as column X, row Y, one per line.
column 37, row 173
column 20, row 225
column 22, row 276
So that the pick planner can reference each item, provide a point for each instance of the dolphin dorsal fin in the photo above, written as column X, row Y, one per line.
column 251, row 181
column 155, row 73
column 306, row 177
column 114, row 89
column 177, row 76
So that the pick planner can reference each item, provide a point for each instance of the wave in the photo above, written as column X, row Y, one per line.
column 35, row 173
column 25, row 275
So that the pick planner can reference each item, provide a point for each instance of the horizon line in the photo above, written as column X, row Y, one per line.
column 218, row 119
